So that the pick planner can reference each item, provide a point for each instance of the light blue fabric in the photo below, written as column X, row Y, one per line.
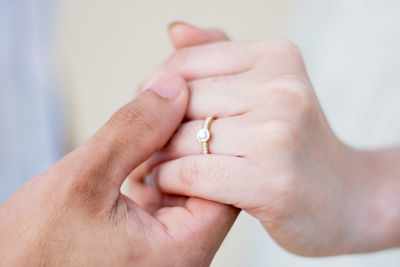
column 30, row 125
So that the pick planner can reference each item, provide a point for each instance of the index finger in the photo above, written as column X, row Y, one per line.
column 229, row 58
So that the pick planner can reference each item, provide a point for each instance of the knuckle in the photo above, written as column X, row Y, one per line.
column 300, row 100
column 179, row 58
column 286, row 47
column 131, row 119
column 283, row 51
column 281, row 134
column 79, row 186
column 284, row 187
column 294, row 94
column 81, row 181
column 86, row 188
column 304, row 104
column 189, row 172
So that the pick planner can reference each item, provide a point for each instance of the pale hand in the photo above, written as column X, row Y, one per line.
column 273, row 152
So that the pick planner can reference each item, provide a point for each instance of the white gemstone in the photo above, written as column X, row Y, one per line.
column 203, row 135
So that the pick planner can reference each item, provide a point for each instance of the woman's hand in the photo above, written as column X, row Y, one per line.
column 74, row 213
column 273, row 152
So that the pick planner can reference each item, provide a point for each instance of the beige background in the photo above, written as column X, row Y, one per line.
column 106, row 48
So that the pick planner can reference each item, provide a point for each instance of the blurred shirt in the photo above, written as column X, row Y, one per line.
column 351, row 50
column 30, row 133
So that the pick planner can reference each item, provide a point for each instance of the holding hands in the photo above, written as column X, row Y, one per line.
column 273, row 155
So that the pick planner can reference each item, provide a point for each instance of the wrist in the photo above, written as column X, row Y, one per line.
column 372, row 199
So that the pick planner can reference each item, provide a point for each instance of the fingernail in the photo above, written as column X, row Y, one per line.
column 172, row 24
column 169, row 86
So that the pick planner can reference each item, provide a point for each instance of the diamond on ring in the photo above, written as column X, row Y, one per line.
column 203, row 135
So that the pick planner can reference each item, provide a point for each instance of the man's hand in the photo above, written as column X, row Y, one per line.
column 74, row 213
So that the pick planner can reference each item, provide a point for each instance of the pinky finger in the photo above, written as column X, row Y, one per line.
column 214, row 177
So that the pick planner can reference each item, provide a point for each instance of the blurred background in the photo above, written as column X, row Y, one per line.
column 67, row 65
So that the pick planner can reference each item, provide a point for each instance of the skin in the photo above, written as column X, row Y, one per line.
column 273, row 152
column 315, row 195
column 75, row 215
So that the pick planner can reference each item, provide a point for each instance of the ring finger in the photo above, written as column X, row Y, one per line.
column 226, row 139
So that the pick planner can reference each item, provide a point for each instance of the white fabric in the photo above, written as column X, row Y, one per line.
column 352, row 52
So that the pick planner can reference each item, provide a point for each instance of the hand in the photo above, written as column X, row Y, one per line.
column 273, row 152
column 143, row 191
column 74, row 213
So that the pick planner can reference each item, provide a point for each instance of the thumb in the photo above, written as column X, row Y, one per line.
column 184, row 35
column 133, row 134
